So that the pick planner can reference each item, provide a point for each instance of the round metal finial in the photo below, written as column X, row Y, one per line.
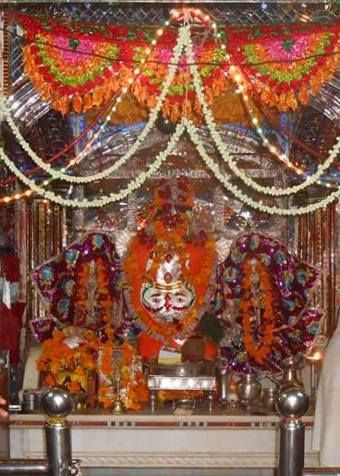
column 56, row 402
column 292, row 402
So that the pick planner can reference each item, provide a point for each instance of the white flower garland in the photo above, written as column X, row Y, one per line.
column 226, row 181
column 161, row 157
column 113, row 197
column 181, row 42
column 230, row 160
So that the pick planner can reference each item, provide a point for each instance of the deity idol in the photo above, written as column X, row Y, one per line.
column 169, row 272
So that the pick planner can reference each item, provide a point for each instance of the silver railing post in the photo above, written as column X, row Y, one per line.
column 57, row 404
column 292, row 404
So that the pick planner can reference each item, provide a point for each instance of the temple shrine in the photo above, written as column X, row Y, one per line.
column 169, row 185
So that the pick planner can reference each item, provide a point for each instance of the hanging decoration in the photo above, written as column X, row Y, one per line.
column 79, row 287
column 285, row 64
column 80, row 66
column 273, row 287
column 78, row 69
column 59, row 174
column 184, row 41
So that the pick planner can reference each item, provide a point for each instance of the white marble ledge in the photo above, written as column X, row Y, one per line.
column 158, row 420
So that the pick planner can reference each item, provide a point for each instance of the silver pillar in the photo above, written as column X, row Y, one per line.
column 57, row 404
column 292, row 448
column 58, row 448
column 292, row 403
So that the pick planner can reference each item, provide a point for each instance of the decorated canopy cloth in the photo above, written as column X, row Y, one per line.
column 80, row 286
column 272, row 287
column 326, row 431
column 80, row 66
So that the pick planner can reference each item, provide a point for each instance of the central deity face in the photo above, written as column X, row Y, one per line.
column 166, row 304
column 167, row 296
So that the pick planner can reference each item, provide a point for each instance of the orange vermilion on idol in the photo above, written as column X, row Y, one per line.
column 168, row 272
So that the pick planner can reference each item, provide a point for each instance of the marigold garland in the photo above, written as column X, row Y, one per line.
column 57, row 357
column 102, row 300
column 92, row 354
column 248, row 306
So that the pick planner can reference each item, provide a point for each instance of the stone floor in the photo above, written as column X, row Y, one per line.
column 199, row 472
column 175, row 472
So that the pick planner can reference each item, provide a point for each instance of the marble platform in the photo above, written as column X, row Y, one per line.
column 163, row 440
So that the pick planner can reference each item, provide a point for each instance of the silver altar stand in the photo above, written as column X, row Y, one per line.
column 182, row 377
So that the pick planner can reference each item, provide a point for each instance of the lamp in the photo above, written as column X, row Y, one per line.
column 315, row 356
column 317, row 350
